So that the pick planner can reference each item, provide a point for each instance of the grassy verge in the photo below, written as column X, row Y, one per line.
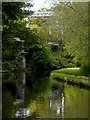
column 69, row 71
column 70, row 75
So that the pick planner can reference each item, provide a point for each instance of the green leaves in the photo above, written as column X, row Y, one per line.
column 39, row 58
column 13, row 25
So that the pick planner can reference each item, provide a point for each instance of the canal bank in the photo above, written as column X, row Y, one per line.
column 71, row 76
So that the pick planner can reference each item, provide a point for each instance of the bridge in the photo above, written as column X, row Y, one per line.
column 41, row 14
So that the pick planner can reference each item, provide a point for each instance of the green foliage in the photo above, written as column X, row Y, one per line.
column 38, row 21
column 12, row 65
column 38, row 58
column 72, row 42
column 76, row 32
column 64, row 59
column 69, row 28
column 13, row 25
column 85, row 69
column 57, row 63
column 14, row 11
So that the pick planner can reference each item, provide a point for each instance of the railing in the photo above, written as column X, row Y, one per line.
column 41, row 14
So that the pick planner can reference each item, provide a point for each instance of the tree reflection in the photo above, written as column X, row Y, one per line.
column 41, row 98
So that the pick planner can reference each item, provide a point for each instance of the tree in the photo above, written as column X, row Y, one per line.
column 15, row 26
column 12, row 23
column 39, row 57
column 70, row 22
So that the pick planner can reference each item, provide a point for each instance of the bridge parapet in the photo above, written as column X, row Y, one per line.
column 41, row 14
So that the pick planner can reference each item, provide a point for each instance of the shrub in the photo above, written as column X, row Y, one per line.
column 85, row 69
column 39, row 58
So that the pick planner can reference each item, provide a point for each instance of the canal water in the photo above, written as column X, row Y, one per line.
column 35, row 96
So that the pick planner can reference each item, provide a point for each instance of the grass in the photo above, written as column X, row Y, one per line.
column 71, row 75
column 70, row 71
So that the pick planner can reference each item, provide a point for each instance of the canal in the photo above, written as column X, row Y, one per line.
column 34, row 96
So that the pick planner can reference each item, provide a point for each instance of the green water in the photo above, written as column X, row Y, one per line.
column 35, row 97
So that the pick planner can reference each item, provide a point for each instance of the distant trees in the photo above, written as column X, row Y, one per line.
column 69, row 28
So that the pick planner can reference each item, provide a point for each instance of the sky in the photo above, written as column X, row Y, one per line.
column 38, row 4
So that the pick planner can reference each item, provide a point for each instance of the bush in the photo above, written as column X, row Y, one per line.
column 12, row 65
column 85, row 69
column 39, row 58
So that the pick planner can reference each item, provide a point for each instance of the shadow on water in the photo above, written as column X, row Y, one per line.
column 34, row 96
column 18, row 92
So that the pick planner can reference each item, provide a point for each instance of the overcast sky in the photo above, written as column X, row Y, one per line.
column 38, row 4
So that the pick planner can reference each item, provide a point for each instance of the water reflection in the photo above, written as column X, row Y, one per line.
column 57, row 99
column 18, row 101
column 24, row 78
column 22, row 113
column 36, row 97
column 63, row 105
